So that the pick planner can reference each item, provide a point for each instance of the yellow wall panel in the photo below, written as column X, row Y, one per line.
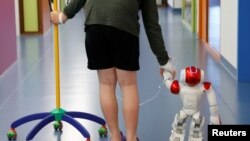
column 30, row 9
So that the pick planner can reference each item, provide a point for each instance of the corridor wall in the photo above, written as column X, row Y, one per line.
column 229, row 34
column 189, row 14
column 8, row 52
column 243, row 41
column 235, row 45
column 175, row 3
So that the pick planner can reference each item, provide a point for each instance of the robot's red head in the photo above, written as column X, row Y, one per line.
column 192, row 75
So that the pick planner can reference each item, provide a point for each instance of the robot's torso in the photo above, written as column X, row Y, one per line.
column 191, row 97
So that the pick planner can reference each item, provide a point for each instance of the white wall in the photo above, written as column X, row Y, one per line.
column 175, row 3
column 229, row 24
column 171, row 3
column 17, row 17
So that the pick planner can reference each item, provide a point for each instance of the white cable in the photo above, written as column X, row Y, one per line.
column 160, row 87
column 156, row 95
column 150, row 99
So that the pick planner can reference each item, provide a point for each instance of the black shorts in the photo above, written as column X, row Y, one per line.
column 108, row 47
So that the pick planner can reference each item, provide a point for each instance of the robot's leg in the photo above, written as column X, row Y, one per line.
column 195, row 132
column 178, row 131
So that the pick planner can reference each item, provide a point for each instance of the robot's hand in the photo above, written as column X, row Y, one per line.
column 167, row 75
column 215, row 120
column 170, row 68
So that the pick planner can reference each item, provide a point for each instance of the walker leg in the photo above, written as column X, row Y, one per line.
column 29, row 118
column 77, row 125
column 88, row 116
column 39, row 126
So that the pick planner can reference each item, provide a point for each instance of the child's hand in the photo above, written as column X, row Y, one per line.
column 57, row 17
column 54, row 17
column 167, row 75
column 168, row 67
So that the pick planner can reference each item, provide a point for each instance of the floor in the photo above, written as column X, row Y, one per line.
column 28, row 86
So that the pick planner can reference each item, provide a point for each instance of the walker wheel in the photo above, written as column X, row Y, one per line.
column 11, row 135
column 58, row 126
column 103, row 132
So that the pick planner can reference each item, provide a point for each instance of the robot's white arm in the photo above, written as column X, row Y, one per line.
column 172, row 85
column 214, row 113
column 168, row 79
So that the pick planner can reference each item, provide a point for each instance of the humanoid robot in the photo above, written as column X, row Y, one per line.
column 191, row 88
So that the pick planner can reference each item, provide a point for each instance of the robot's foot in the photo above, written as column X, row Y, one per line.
column 176, row 137
column 195, row 139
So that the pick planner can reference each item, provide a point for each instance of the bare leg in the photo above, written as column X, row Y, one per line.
column 128, row 83
column 107, row 84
